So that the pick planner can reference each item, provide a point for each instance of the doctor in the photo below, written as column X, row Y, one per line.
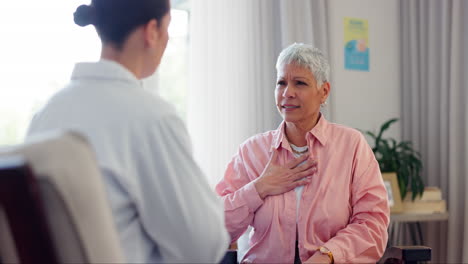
column 163, row 208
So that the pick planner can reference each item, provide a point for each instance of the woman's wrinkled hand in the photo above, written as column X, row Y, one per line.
column 276, row 179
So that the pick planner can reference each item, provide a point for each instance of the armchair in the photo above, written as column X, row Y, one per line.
column 53, row 207
column 393, row 255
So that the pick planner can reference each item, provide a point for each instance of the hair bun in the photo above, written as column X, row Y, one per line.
column 84, row 15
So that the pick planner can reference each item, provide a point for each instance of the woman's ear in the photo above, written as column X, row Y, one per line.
column 326, row 91
column 151, row 33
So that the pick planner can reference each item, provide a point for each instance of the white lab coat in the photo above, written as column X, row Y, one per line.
column 163, row 207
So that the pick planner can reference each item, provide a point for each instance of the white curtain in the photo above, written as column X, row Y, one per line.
column 234, row 45
column 434, row 112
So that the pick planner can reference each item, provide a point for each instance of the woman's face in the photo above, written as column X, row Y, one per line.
column 164, row 36
column 156, row 39
column 298, row 97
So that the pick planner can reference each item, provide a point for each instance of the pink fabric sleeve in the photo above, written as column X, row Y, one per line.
column 239, row 196
column 364, row 239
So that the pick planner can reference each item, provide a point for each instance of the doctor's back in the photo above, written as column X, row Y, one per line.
column 163, row 207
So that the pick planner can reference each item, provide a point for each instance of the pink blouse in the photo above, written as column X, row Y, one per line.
column 344, row 208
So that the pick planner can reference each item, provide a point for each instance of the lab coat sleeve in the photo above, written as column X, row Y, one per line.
column 178, row 209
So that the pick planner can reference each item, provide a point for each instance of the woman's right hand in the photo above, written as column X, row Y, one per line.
column 276, row 179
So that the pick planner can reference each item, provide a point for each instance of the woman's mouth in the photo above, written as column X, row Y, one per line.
column 290, row 107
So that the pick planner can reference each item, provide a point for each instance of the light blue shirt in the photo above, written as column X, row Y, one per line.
column 163, row 207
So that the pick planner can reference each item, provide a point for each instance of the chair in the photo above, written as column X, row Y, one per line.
column 53, row 205
column 406, row 254
column 392, row 255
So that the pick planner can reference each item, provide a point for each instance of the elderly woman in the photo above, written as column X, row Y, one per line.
column 312, row 190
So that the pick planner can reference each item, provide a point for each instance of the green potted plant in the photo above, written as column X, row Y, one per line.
column 399, row 157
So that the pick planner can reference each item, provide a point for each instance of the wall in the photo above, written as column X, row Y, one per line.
column 365, row 100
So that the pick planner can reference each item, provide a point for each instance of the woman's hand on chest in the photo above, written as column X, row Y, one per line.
column 277, row 179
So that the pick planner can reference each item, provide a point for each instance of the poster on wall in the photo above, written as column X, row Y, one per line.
column 356, row 44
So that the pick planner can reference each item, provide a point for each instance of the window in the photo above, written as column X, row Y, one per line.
column 172, row 74
column 40, row 45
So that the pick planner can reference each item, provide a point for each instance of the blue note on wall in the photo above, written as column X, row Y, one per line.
column 356, row 46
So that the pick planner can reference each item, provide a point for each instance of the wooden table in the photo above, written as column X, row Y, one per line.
column 413, row 222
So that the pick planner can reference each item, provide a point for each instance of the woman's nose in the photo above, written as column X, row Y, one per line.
column 288, row 91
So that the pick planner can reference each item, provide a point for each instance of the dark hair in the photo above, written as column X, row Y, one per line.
column 116, row 19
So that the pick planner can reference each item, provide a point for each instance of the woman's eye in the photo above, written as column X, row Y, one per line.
column 281, row 83
column 301, row 83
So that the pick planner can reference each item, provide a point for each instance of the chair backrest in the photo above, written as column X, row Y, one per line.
column 53, row 205
column 406, row 255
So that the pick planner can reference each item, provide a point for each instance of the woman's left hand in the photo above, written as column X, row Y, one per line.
column 318, row 258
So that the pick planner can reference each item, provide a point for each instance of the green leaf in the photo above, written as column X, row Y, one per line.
column 399, row 157
column 372, row 135
column 386, row 125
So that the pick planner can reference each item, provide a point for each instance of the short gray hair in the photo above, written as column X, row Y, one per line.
column 306, row 56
